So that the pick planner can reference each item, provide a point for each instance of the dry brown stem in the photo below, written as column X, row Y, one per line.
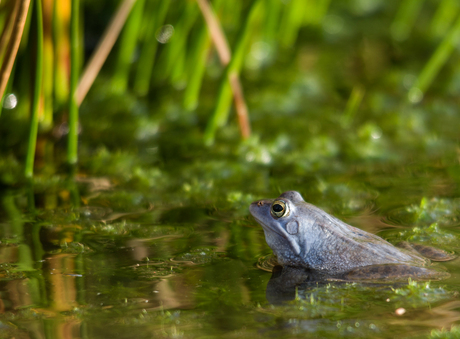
column 217, row 34
column 8, row 27
column 13, row 44
column 103, row 49
column 240, row 105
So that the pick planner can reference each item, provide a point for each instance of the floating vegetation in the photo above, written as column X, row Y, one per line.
column 418, row 294
column 444, row 333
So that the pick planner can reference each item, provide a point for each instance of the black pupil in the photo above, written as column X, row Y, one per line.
column 277, row 208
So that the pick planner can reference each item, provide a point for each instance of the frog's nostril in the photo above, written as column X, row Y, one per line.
column 260, row 203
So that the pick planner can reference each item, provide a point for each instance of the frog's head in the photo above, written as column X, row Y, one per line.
column 283, row 227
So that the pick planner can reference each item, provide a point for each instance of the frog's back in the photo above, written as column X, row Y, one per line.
column 339, row 247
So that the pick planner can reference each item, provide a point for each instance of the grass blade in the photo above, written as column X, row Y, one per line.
column 444, row 17
column 149, row 48
column 128, row 42
column 291, row 22
column 437, row 60
column 405, row 18
column 61, row 18
column 46, row 119
column 72, row 146
column 30, row 157
column 200, row 51
column 356, row 97
column 176, row 49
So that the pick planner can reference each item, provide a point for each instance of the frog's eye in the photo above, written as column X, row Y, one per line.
column 279, row 209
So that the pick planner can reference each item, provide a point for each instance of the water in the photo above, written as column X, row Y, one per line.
column 86, row 258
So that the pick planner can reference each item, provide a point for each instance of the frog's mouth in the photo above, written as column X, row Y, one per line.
column 261, row 208
column 271, row 229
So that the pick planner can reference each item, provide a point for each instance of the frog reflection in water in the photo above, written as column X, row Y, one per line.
column 304, row 236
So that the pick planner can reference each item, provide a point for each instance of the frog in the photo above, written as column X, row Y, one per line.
column 304, row 236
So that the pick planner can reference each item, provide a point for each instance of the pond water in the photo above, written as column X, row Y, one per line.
column 165, row 247
column 152, row 236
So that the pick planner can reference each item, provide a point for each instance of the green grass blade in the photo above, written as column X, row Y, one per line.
column 30, row 157
column 220, row 114
column 128, row 42
column 46, row 122
column 291, row 21
column 197, row 66
column 437, row 60
column 149, row 48
column 272, row 19
column 405, row 19
column 72, row 146
column 444, row 17
column 356, row 97
column 201, row 47
column 176, row 49
column 61, row 42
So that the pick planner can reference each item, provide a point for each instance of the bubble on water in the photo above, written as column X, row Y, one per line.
column 164, row 34
column 10, row 101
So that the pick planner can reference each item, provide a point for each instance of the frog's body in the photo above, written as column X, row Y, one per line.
column 302, row 235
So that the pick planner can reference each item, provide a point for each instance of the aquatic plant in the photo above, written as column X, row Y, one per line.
column 162, row 44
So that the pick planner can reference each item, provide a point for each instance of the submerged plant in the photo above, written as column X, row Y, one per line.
column 418, row 294
column 452, row 333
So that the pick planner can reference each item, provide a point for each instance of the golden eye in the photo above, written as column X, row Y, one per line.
column 279, row 209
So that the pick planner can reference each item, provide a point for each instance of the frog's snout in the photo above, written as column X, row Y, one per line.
column 260, row 208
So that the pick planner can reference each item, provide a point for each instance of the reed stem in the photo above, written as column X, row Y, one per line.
column 437, row 60
column 149, row 48
column 444, row 17
column 127, row 46
column 356, row 97
column 200, row 51
column 405, row 19
column 72, row 145
column 30, row 157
